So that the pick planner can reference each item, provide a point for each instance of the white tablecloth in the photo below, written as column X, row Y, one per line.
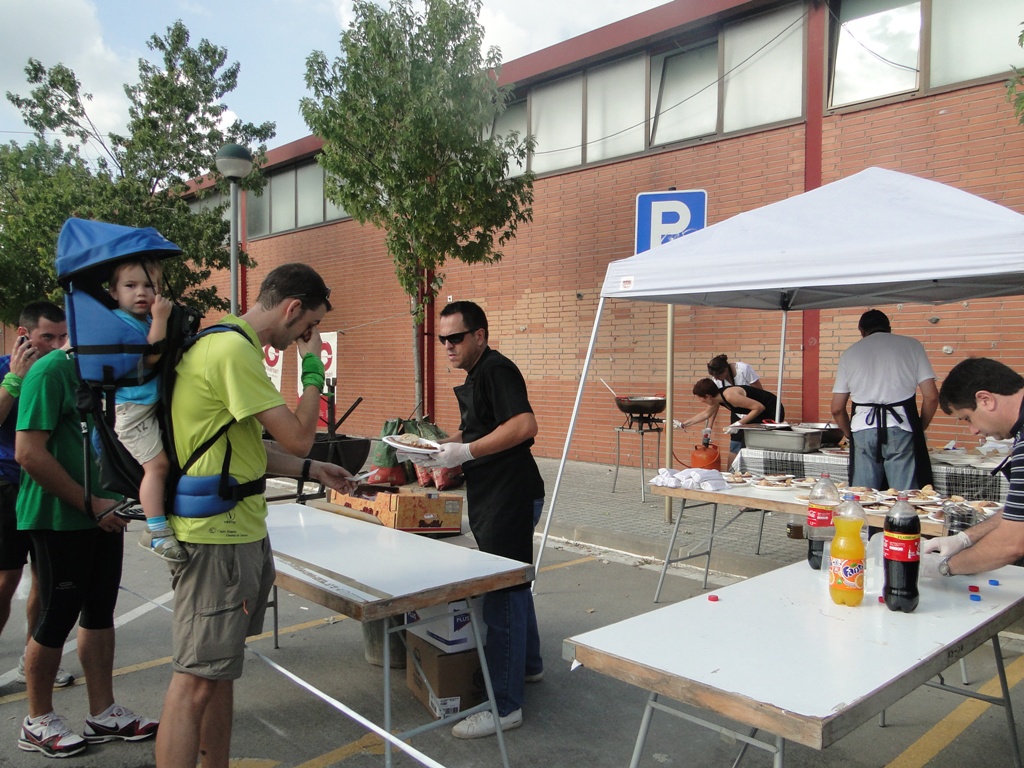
column 969, row 482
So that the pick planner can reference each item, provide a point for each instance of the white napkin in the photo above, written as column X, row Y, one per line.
column 666, row 478
column 704, row 479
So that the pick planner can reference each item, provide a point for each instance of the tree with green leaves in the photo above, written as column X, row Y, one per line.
column 1015, row 87
column 406, row 114
column 141, row 178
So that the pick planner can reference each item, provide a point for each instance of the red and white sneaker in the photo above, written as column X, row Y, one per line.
column 50, row 735
column 120, row 723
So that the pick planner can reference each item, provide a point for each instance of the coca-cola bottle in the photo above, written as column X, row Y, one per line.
column 901, row 553
column 822, row 500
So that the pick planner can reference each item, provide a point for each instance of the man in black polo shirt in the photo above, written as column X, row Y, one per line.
column 504, row 494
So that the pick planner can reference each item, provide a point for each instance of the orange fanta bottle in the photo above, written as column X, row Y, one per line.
column 846, row 575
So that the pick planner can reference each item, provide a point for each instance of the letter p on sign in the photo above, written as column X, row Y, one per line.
column 664, row 216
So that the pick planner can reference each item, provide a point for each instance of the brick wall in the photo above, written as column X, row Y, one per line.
column 541, row 299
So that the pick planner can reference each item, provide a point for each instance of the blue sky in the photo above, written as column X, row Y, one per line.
column 102, row 40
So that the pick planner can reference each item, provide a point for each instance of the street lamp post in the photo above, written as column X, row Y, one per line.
column 234, row 162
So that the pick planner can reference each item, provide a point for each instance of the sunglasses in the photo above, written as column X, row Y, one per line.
column 455, row 338
column 325, row 294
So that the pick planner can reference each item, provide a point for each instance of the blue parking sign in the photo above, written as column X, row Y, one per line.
column 664, row 216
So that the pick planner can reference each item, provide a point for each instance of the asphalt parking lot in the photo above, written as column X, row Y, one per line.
column 572, row 718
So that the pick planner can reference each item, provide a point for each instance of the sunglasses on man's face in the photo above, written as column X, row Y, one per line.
column 454, row 338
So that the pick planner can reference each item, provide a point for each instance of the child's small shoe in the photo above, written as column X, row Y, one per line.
column 163, row 544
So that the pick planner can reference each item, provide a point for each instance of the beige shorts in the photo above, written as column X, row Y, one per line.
column 220, row 598
column 138, row 430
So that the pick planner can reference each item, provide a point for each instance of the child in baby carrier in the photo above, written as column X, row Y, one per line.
column 136, row 287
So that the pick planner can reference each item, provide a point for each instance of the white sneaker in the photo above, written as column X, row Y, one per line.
column 63, row 679
column 51, row 736
column 536, row 677
column 482, row 724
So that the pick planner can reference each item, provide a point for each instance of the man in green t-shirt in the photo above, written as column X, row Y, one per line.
column 220, row 593
column 78, row 548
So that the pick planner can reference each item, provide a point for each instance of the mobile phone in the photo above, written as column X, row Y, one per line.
column 22, row 340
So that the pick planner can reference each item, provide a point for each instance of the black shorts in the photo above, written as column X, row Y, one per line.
column 15, row 545
column 78, row 573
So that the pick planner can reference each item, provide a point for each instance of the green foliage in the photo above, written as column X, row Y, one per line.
column 139, row 179
column 405, row 115
column 1015, row 86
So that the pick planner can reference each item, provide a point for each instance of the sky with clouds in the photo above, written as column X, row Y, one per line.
column 102, row 41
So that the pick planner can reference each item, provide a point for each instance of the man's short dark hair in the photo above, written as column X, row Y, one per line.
column 472, row 315
column 874, row 321
column 977, row 374
column 294, row 281
column 39, row 310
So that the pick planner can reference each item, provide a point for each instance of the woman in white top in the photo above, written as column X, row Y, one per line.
column 724, row 374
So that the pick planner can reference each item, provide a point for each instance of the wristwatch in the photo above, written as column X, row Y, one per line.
column 944, row 567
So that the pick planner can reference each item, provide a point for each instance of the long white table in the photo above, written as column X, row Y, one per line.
column 703, row 654
column 969, row 482
column 749, row 498
column 370, row 572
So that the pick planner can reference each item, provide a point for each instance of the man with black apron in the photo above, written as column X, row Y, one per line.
column 504, row 494
column 881, row 374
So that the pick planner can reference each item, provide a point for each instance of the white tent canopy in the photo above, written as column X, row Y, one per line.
column 877, row 237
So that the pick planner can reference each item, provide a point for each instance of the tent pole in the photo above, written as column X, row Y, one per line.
column 568, row 441
column 782, row 362
column 670, row 371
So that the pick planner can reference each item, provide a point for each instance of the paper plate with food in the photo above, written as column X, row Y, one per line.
column 737, row 478
column 765, row 484
column 412, row 443
column 987, row 508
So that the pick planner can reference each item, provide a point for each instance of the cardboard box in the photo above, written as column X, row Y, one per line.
column 453, row 633
column 415, row 511
column 449, row 682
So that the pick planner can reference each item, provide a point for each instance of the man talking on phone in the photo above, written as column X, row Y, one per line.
column 42, row 328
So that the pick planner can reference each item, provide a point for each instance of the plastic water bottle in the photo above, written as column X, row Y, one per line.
column 846, row 564
column 822, row 500
column 902, row 554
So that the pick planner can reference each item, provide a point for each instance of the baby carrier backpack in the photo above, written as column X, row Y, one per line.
column 109, row 354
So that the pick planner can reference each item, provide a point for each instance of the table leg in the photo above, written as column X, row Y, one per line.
column 668, row 554
column 1007, row 706
column 274, row 603
column 489, row 688
column 643, row 499
column 615, row 477
column 645, row 726
column 387, row 694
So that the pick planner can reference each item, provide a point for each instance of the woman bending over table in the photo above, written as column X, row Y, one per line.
column 747, row 404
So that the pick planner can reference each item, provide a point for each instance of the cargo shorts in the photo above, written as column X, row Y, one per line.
column 220, row 599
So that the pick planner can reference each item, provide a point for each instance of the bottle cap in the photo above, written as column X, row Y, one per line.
column 993, row 582
column 712, row 598
column 881, row 599
column 976, row 598
column 974, row 588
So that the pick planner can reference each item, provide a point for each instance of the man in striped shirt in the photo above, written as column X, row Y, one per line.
column 989, row 398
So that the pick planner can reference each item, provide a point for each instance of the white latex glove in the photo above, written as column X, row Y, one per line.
column 930, row 565
column 731, row 429
column 946, row 546
column 451, row 455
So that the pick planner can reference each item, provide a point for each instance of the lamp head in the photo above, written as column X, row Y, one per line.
column 234, row 161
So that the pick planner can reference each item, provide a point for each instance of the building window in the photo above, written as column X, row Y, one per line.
column 513, row 119
column 975, row 39
column 684, row 95
column 876, row 50
column 309, row 195
column 616, row 110
column 556, row 113
column 282, row 201
column 257, row 213
column 764, row 66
